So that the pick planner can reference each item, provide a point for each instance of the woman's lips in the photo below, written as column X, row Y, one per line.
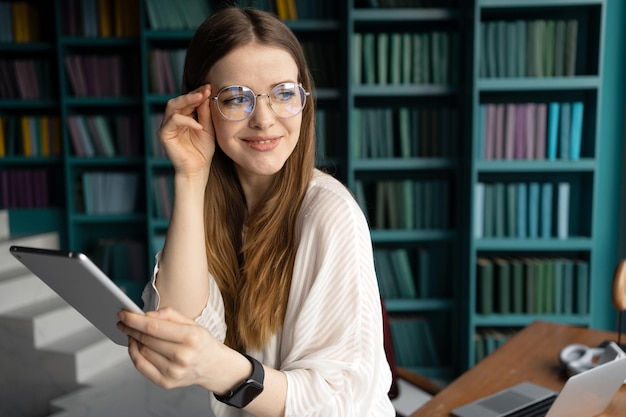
column 262, row 144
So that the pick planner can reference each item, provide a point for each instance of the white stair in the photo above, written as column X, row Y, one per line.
column 47, row 349
column 52, row 360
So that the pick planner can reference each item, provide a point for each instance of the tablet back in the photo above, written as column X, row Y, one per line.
column 76, row 279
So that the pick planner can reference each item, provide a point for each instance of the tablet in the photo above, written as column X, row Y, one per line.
column 76, row 279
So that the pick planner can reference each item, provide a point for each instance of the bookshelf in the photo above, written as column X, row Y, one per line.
column 422, row 190
column 534, row 246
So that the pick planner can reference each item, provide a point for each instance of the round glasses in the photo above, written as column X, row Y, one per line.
column 237, row 102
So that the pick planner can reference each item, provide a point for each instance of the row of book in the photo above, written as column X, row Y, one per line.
column 99, row 135
column 30, row 136
column 166, row 70
column 488, row 339
column 532, row 286
column 522, row 210
column 528, row 48
column 101, row 18
column 405, row 58
column 531, row 130
column 411, row 273
column 109, row 192
column 24, row 79
column 414, row 342
column 405, row 132
column 406, row 204
column 101, row 75
column 171, row 15
column 24, row 188
column 19, row 22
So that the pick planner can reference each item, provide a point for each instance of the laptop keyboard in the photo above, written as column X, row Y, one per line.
column 538, row 409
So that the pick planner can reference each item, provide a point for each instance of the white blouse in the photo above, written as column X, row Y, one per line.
column 331, row 344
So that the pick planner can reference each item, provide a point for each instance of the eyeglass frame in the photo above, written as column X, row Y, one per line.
column 215, row 98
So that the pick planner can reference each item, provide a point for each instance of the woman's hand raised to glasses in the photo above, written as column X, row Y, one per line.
column 189, row 142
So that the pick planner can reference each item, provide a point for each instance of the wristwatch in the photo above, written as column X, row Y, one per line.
column 250, row 389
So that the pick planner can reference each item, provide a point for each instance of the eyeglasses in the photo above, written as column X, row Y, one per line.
column 237, row 102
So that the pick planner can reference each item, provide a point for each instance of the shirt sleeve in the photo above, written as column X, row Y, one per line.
column 332, row 338
column 211, row 317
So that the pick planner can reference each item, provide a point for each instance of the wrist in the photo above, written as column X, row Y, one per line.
column 245, row 392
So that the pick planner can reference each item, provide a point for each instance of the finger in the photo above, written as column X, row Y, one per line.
column 186, row 104
column 175, row 122
column 145, row 366
column 204, row 115
column 165, row 348
column 164, row 325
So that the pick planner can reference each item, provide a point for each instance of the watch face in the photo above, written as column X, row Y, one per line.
column 249, row 392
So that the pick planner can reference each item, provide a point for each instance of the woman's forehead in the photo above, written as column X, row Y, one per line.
column 255, row 66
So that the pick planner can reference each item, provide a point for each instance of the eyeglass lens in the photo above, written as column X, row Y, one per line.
column 238, row 102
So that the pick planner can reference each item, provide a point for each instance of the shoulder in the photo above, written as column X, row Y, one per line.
column 328, row 203
column 327, row 194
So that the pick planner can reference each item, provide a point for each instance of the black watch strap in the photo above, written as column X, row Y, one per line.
column 250, row 389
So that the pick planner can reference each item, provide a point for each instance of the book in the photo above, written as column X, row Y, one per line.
column 564, row 131
column 553, row 130
column 403, row 273
column 568, row 286
column 533, row 209
column 369, row 59
column 576, row 130
column 479, row 204
column 503, row 273
column 582, row 287
column 541, row 135
column 509, row 131
column 486, row 281
column 559, row 48
column 500, row 209
column 511, row 210
column 530, row 130
column 385, row 274
column 406, row 58
column 548, row 47
column 382, row 54
column 522, row 210
column 357, row 58
column 395, row 58
column 517, row 286
column 500, row 131
column 558, row 285
column 488, row 213
column 571, row 45
column 546, row 210
column 563, row 203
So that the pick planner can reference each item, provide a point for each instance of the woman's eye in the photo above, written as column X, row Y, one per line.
column 284, row 95
column 236, row 101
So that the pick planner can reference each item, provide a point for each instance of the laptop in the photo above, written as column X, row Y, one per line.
column 584, row 395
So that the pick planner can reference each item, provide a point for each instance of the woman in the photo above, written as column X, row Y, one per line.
column 265, row 291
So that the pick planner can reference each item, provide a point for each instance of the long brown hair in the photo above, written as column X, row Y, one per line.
column 254, row 276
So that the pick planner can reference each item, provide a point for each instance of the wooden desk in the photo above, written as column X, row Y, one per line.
column 531, row 355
